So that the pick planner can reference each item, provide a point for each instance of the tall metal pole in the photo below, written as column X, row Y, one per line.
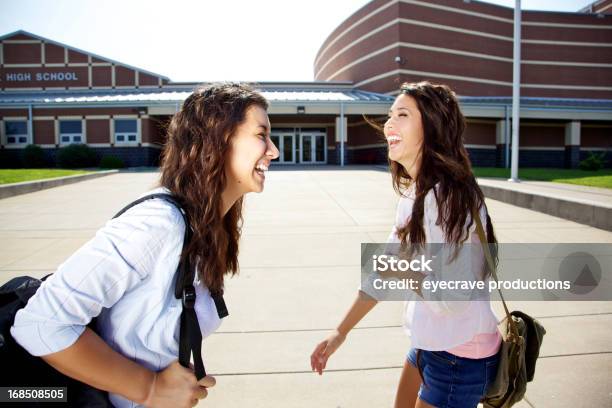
column 506, row 138
column 342, row 131
column 516, row 92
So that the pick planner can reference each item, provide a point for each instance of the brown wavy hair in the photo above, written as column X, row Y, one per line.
column 444, row 160
column 193, row 169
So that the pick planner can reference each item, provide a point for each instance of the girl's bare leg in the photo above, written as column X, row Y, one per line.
column 408, row 387
column 422, row 404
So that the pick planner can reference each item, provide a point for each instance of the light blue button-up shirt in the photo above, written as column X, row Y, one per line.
column 125, row 275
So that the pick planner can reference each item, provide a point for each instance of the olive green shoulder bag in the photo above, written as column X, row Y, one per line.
column 521, row 341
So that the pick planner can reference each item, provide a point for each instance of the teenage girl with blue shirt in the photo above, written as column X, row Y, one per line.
column 218, row 149
column 454, row 354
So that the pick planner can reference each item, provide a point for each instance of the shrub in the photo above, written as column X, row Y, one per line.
column 76, row 156
column 593, row 162
column 111, row 162
column 34, row 157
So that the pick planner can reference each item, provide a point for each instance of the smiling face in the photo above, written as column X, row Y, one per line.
column 250, row 154
column 404, row 131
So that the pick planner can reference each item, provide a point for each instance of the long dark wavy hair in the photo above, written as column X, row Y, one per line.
column 444, row 160
column 193, row 169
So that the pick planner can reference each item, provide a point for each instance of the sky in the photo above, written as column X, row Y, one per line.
column 205, row 40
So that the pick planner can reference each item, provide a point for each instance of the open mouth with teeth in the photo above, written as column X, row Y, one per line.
column 260, row 169
column 393, row 140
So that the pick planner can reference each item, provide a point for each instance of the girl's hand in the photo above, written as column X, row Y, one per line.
column 319, row 357
column 177, row 386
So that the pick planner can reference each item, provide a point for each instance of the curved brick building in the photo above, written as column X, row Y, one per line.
column 566, row 67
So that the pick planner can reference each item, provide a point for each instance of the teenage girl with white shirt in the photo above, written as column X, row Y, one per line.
column 217, row 150
column 454, row 354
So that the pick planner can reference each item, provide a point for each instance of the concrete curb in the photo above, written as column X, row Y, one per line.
column 25, row 187
column 583, row 212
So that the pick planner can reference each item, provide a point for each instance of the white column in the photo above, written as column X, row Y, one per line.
column 572, row 133
column 341, row 133
column 500, row 132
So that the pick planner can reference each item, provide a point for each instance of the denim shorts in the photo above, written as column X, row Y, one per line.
column 451, row 381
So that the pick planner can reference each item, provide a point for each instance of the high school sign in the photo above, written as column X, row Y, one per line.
column 40, row 76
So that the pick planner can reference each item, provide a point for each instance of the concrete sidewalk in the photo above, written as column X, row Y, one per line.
column 299, row 273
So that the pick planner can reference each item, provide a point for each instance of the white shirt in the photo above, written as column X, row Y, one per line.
column 436, row 324
column 126, row 275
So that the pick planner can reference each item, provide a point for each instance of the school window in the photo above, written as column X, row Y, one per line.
column 16, row 132
column 71, row 131
column 126, row 131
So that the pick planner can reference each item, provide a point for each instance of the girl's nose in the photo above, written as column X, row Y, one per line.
column 272, row 150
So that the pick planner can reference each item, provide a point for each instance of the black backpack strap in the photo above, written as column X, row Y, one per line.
column 190, row 334
column 166, row 197
column 190, row 337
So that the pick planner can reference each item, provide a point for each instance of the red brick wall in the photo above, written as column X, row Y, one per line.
column 102, row 76
column 21, row 53
column 543, row 136
column 98, row 131
column 54, row 54
column 44, row 132
column 479, row 133
column 596, row 136
column 124, row 76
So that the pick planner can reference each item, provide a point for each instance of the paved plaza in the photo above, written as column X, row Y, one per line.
column 299, row 258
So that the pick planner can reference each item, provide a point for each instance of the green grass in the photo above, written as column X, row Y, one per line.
column 599, row 178
column 18, row 175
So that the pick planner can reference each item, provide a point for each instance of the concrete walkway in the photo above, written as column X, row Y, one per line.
column 300, row 271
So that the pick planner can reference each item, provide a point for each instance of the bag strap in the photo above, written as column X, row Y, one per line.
column 190, row 337
column 166, row 197
column 489, row 258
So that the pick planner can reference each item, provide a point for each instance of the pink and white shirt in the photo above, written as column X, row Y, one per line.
column 464, row 328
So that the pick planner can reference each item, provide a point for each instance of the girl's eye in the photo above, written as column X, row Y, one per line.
column 261, row 135
column 402, row 114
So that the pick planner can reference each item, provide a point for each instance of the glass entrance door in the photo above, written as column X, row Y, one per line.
column 285, row 142
column 312, row 148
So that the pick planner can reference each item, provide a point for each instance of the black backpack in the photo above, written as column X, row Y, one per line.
column 20, row 369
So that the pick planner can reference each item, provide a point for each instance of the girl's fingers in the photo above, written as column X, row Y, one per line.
column 313, row 362
column 318, row 359
column 321, row 362
column 316, row 355
column 201, row 393
column 207, row 382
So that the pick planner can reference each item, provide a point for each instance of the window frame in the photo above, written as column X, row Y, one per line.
column 126, row 135
column 18, row 136
column 70, row 135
